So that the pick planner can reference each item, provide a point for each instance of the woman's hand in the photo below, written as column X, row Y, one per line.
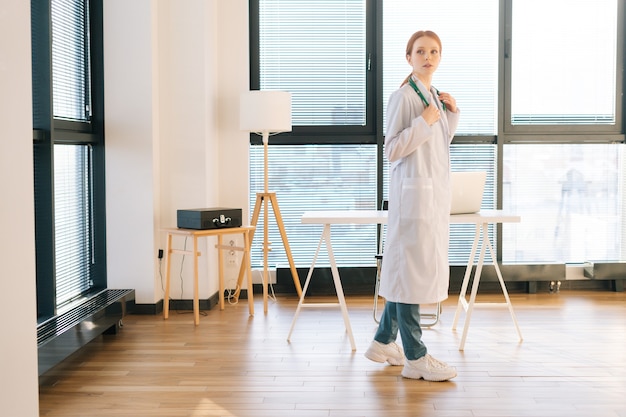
column 449, row 101
column 431, row 114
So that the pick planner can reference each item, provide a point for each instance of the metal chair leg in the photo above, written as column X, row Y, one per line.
column 434, row 317
column 379, row 259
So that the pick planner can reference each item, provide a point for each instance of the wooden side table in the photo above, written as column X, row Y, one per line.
column 219, row 233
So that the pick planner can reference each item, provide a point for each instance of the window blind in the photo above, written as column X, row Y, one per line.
column 473, row 157
column 316, row 177
column 316, row 51
column 343, row 177
column 469, row 60
column 72, row 163
column 70, row 62
column 466, row 157
column 72, row 225
column 468, row 70
column 571, row 200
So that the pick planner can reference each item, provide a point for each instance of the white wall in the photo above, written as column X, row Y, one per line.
column 233, row 75
column 131, row 138
column 173, row 76
column 18, row 361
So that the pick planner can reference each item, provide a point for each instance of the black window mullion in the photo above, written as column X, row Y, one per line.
column 42, row 156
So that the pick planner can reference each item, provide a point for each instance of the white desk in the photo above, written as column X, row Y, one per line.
column 481, row 220
column 327, row 218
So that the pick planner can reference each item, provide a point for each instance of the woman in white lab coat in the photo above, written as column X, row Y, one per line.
column 421, row 122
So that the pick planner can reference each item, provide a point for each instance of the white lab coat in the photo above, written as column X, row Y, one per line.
column 415, row 269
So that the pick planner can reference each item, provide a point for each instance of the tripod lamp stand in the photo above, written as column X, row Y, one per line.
column 266, row 113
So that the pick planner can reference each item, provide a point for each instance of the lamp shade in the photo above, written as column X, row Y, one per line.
column 265, row 111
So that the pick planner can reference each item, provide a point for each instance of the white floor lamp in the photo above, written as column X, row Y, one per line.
column 267, row 113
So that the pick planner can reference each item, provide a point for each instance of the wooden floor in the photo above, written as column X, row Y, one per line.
column 571, row 363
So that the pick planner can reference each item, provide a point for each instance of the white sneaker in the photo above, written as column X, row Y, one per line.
column 379, row 352
column 428, row 368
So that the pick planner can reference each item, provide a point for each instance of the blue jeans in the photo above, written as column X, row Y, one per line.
column 406, row 318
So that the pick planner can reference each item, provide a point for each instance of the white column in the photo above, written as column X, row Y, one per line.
column 19, row 384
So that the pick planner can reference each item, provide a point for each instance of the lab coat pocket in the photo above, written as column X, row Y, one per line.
column 417, row 198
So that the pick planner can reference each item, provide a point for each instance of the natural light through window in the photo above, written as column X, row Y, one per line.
column 563, row 73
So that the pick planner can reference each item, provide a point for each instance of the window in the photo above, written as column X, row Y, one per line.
column 561, row 167
column 320, row 52
column 474, row 87
column 316, row 177
column 467, row 157
column 68, row 151
column 572, row 199
column 70, row 59
column 328, row 76
column 504, row 69
column 565, row 73
column 317, row 51
column 72, row 221
column 469, row 55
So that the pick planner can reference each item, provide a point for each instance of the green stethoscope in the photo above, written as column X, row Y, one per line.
column 419, row 93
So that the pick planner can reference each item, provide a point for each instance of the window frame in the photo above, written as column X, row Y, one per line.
column 48, row 131
column 321, row 135
column 509, row 133
column 506, row 134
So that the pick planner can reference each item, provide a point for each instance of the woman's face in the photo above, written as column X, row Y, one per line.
column 425, row 56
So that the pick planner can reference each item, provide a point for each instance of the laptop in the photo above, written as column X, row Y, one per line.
column 467, row 191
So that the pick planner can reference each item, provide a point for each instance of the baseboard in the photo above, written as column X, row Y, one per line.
column 518, row 279
column 177, row 305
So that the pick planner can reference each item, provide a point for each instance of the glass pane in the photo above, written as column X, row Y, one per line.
column 332, row 177
column 72, row 233
column 563, row 62
column 570, row 201
column 315, row 50
column 469, row 64
column 70, row 49
column 316, row 177
column 466, row 157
